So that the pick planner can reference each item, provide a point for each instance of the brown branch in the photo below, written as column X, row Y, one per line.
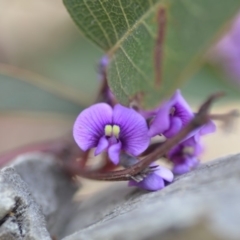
column 201, row 118
column 227, row 119
column 151, row 148
column 158, row 53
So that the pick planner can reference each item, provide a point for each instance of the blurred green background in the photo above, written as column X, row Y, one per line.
column 48, row 71
column 48, row 74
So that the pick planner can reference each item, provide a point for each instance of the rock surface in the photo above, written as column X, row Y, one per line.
column 203, row 204
column 51, row 188
column 20, row 216
column 47, row 186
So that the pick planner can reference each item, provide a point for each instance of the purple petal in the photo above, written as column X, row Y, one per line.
column 89, row 125
column 180, row 169
column 102, row 145
column 226, row 48
column 103, row 63
column 133, row 129
column 175, row 127
column 114, row 152
column 164, row 173
column 227, row 51
column 210, row 127
column 174, row 151
column 162, row 120
column 152, row 182
column 182, row 109
column 192, row 162
column 148, row 113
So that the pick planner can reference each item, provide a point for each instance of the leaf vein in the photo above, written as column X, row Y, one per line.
column 133, row 64
column 125, row 17
column 130, row 30
column 100, row 25
column 119, row 77
column 110, row 20
column 153, row 35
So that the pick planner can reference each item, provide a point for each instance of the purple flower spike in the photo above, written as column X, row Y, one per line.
column 171, row 117
column 184, row 155
column 111, row 129
column 155, row 180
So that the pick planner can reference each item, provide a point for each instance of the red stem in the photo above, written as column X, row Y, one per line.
column 158, row 53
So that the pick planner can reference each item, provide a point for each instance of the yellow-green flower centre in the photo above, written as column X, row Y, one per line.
column 110, row 130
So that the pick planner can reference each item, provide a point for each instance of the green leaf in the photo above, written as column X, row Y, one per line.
column 127, row 31
column 19, row 95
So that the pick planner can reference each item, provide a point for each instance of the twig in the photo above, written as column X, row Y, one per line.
column 227, row 119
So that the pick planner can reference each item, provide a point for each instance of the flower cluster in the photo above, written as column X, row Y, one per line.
column 120, row 130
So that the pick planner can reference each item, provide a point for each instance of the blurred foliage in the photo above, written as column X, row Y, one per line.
column 207, row 80
column 49, row 71
column 127, row 31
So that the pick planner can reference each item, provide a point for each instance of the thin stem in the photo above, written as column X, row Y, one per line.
column 227, row 119
column 158, row 53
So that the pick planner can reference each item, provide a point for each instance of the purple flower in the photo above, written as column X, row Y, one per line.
column 184, row 155
column 111, row 129
column 227, row 51
column 102, row 66
column 155, row 180
column 171, row 117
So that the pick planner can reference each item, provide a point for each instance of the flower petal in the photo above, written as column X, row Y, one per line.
column 133, row 129
column 164, row 173
column 89, row 125
column 175, row 127
column 192, row 162
column 210, row 127
column 180, row 169
column 182, row 109
column 102, row 67
column 152, row 182
column 114, row 152
column 102, row 145
column 161, row 122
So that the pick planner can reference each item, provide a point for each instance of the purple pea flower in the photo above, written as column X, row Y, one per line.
column 111, row 129
column 171, row 117
column 227, row 51
column 185, row 155
column 155, row 180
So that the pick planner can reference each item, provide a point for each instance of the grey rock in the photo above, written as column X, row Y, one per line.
column 203, row 204
column 20, row 216
column 50, row 187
